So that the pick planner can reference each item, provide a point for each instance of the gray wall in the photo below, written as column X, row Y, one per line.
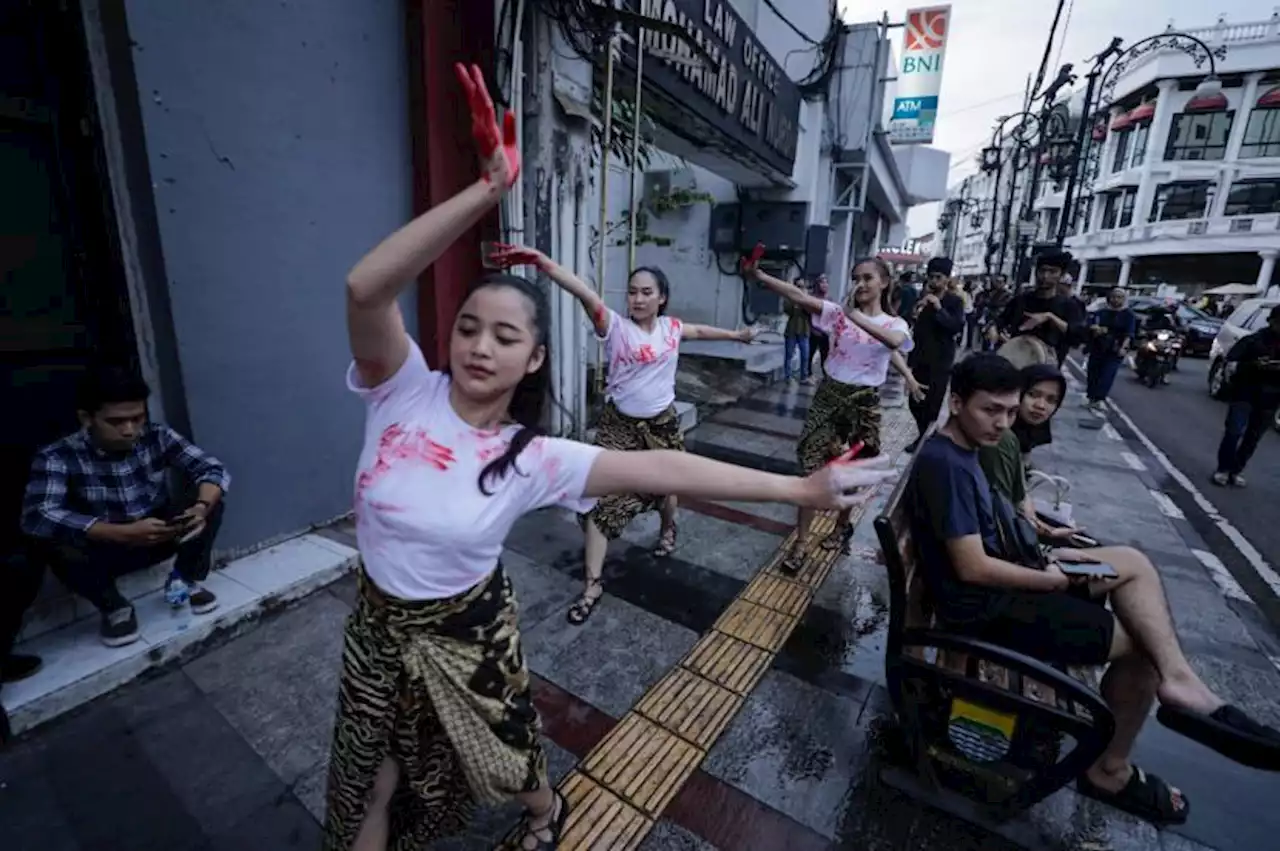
column 278, row 141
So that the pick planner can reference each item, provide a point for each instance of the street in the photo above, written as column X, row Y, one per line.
column 1185, row 423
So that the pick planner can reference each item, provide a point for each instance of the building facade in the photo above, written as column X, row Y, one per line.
column 1187, row 187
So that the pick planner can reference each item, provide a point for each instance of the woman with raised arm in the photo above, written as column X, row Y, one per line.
column 641, row 350
column 435, row 712
column 846, row 407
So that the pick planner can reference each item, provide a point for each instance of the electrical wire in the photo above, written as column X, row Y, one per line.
column 803, row 35
column 1066, row 27
column 1048, row 50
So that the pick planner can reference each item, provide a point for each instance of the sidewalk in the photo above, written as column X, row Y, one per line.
column 708, row 703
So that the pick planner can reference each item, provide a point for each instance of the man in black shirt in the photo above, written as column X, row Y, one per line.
column 939, row 317
column 1253, row 390
column 1042, row 312
column 976, row 589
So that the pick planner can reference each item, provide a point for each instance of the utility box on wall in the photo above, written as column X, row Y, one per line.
column 723, row 236
column 780, row 225
column 815, row 250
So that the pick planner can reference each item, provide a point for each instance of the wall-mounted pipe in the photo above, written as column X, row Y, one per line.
column 605, row 145
column 635, row 152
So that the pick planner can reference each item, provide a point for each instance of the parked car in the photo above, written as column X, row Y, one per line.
column 1198, row 328
column 1250, row 316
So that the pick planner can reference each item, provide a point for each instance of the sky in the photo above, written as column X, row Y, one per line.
column 994, row 44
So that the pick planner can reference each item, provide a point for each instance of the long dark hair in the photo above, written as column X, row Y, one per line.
column 532, row 395
column 886, row 277
column 664, row 285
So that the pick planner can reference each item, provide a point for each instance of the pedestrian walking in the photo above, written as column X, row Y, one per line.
column 819, row 342
column 1110, row 334
column 939, row 322
column 795, row 338
column 845, row 410
column 435, row 712
column 1253, row 394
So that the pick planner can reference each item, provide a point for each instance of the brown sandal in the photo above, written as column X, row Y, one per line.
column 552, row 830
column 585, row 604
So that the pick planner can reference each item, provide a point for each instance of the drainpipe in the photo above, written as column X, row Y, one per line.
column 606, row 141
column 635, row 153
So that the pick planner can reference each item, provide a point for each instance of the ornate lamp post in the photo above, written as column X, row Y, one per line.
column 1102, row 79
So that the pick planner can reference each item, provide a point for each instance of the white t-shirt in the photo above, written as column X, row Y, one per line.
column 642, row 365
column 425, row 530
column 856, row 357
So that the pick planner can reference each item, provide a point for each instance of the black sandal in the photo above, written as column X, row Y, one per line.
column 1229, row 731
column 553, row 828
column 667, row 541
column 585, row 605
column 793, row 562
column 1145, row 796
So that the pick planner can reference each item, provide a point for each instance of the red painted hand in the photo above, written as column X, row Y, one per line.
column 752, row 261
column 499, row 151
column 505, row 256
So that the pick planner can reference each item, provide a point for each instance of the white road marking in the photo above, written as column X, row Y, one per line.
column 1242, row 544
column 1221, row 576
column 1275, row 660
column 1167, row 506
column 1133, row 461
column 1110, row 432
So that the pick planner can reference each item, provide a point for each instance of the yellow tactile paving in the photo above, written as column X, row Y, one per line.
column 780, row 594
column 599, row 820
column 756, row 625
column 695, row 709
column 645, row 766
column 631, row 775
column 725, row 660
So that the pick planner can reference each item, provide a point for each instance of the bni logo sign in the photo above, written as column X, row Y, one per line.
column 926, row 29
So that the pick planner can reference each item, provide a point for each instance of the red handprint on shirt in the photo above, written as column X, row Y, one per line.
column 398, row 445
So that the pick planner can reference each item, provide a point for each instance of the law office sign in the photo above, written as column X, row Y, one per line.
column 915, row 104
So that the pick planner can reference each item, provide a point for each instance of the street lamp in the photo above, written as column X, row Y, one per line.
column 1102, row 79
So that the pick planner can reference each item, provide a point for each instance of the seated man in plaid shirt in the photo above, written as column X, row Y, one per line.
column 97, row 505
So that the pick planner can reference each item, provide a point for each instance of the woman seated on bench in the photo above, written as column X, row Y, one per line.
column 978, row 588
column 1005, row 464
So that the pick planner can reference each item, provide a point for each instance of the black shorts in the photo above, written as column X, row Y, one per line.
column 1058, row 628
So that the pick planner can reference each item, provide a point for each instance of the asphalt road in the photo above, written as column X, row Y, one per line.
column 1186, row 424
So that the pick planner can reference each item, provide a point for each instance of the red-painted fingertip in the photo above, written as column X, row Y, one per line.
column 509, row 129
column 757, row 253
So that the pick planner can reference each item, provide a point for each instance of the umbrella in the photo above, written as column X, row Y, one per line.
column 1232, row 289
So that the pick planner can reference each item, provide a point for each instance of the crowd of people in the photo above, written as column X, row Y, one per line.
column 435, row 712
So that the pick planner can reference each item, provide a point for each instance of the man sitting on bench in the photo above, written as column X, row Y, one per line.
column 1059, row 619
column 97, row 505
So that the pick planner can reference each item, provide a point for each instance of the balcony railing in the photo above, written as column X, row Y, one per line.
column 1264, row 226
column 1228, row 33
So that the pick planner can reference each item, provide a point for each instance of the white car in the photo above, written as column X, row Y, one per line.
column 1249, row 317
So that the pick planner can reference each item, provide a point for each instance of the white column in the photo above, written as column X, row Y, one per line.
column 1267, row 271
column 1084, row 276
column 1126, row 266
column 1248, row 97
column 1161, row 123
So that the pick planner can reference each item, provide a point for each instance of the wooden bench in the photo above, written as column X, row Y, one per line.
column 982, row 725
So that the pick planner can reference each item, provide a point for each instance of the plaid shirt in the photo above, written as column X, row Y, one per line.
column 74, row 484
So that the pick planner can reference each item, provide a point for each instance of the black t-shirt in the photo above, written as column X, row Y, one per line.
column 1029, row 302
column 934, row 334
column 948, row 497
column 1257, row 374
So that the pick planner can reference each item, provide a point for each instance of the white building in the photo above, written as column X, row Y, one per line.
column 1187, row 188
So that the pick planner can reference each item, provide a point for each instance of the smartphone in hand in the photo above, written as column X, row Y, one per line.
column 1088, row 569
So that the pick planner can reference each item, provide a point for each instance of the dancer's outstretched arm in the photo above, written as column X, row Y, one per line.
column 375, row 325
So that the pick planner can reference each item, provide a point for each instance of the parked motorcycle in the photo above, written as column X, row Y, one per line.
column 1156, row 357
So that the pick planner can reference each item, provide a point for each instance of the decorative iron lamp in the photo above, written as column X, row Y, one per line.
column 990, row 159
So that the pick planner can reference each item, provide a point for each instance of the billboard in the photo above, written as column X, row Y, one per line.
column 915, row 103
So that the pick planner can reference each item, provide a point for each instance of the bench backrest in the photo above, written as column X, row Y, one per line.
column 908, row 608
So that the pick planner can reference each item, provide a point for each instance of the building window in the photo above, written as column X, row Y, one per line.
column 1199, row 136
column 1122, row 150
column 1253, row 198
column 1175, row 201
column 1262, row 135
column 1139, row 146
column 1117, row 209
column 1126, row 207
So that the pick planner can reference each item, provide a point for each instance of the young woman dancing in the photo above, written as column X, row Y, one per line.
column 435, row 713
column 641, row 349
column 846, row 406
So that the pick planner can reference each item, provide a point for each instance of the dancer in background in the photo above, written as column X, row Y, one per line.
column 846, row 407
column 435, row 712
column 642, row 350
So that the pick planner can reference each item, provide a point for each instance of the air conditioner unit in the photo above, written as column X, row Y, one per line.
column 665, row 182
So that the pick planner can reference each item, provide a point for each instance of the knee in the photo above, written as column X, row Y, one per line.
column 1128, row 561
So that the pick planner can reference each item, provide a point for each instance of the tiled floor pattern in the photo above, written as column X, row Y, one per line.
column 619, row 791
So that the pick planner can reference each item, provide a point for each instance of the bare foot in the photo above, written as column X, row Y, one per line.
column 1187, row 691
